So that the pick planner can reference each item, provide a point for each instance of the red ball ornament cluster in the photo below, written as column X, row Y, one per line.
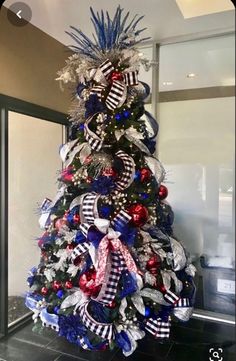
column 162, row 192
column 145, row 174
column 116, row 75
column 153, row 264
column 139, row 214
column 87, row 283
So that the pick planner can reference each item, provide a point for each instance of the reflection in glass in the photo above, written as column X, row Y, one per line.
column 33, row 166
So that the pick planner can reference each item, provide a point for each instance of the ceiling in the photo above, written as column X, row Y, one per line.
column 163, row 18
column 212, row 59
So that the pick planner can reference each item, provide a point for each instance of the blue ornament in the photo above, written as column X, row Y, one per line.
column 143, row 195
column 81, row 127
column 118, row 117
column 105, row 211
column 126, row 114
column 56, row 309
column 147, row 311
column 60, row 294
column 137, row 175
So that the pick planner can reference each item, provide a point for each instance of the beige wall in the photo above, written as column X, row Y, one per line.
column 29, row 61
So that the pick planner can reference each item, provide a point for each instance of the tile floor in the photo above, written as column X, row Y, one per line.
column 188, row 342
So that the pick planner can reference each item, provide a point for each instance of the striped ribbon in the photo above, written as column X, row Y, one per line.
column 88, row 209
column 117, row 95
column 92, row 138
column 121, row 219
column 118, row 92
column 171, row 297
column 82, row 342
column 104, row 330
column 80, row 249
column 158, row 328
column 128, row 173
column 183, row 302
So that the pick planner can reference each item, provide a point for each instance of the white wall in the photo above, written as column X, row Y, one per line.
column 33, row 165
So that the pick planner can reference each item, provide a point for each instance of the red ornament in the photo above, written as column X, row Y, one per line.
column 59, row 223
column 76, row 218
column 77, row 261
column 153, row 264
column 87, row 283
column 56, row 285
column 67, row 174
column 109, row 172
column 44, row 291
column 145, row 174
column 162, row 192
column 70, row 246
column 139, row 214
column 116, row 75
column 112, row 304
column 69, row 285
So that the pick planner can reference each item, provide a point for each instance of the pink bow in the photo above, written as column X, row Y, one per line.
column 111, row 242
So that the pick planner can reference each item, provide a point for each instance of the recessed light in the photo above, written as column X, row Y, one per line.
column 167, row 82
column 191, row 75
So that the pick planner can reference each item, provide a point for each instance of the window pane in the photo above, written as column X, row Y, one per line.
column 196, row 146
column 33, row 165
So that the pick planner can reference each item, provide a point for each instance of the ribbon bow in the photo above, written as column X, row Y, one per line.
column 111, row 242
column 120, row 80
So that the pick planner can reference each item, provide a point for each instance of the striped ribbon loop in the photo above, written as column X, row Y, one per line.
column 84, row 227
column 117, row 95
column 121, row 219
column 106, row 68
column 131, row 78
column 128, row 173
column 89, row 210
column 80, row 249
column 98, row 90
column 183, row 302
column 104, row 330
column 93, row 139
column 158, row 328
column 171, row 297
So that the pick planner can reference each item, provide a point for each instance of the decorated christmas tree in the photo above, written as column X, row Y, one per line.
column 110, row 269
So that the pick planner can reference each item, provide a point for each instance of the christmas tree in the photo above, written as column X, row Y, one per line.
column 110, row 269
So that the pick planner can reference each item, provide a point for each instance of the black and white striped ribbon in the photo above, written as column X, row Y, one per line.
column 116, row 95
column 83, row 343
column 131, row 78
column 183, row 302
column 97, row 89
column 88, row 209
column 80, row 249
column 107, row 68
column 93, row 139
column 171, row 297
column 104, row 330
column 121, row 219
column 128, row 173
column 84, row 227
column 158, row 328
